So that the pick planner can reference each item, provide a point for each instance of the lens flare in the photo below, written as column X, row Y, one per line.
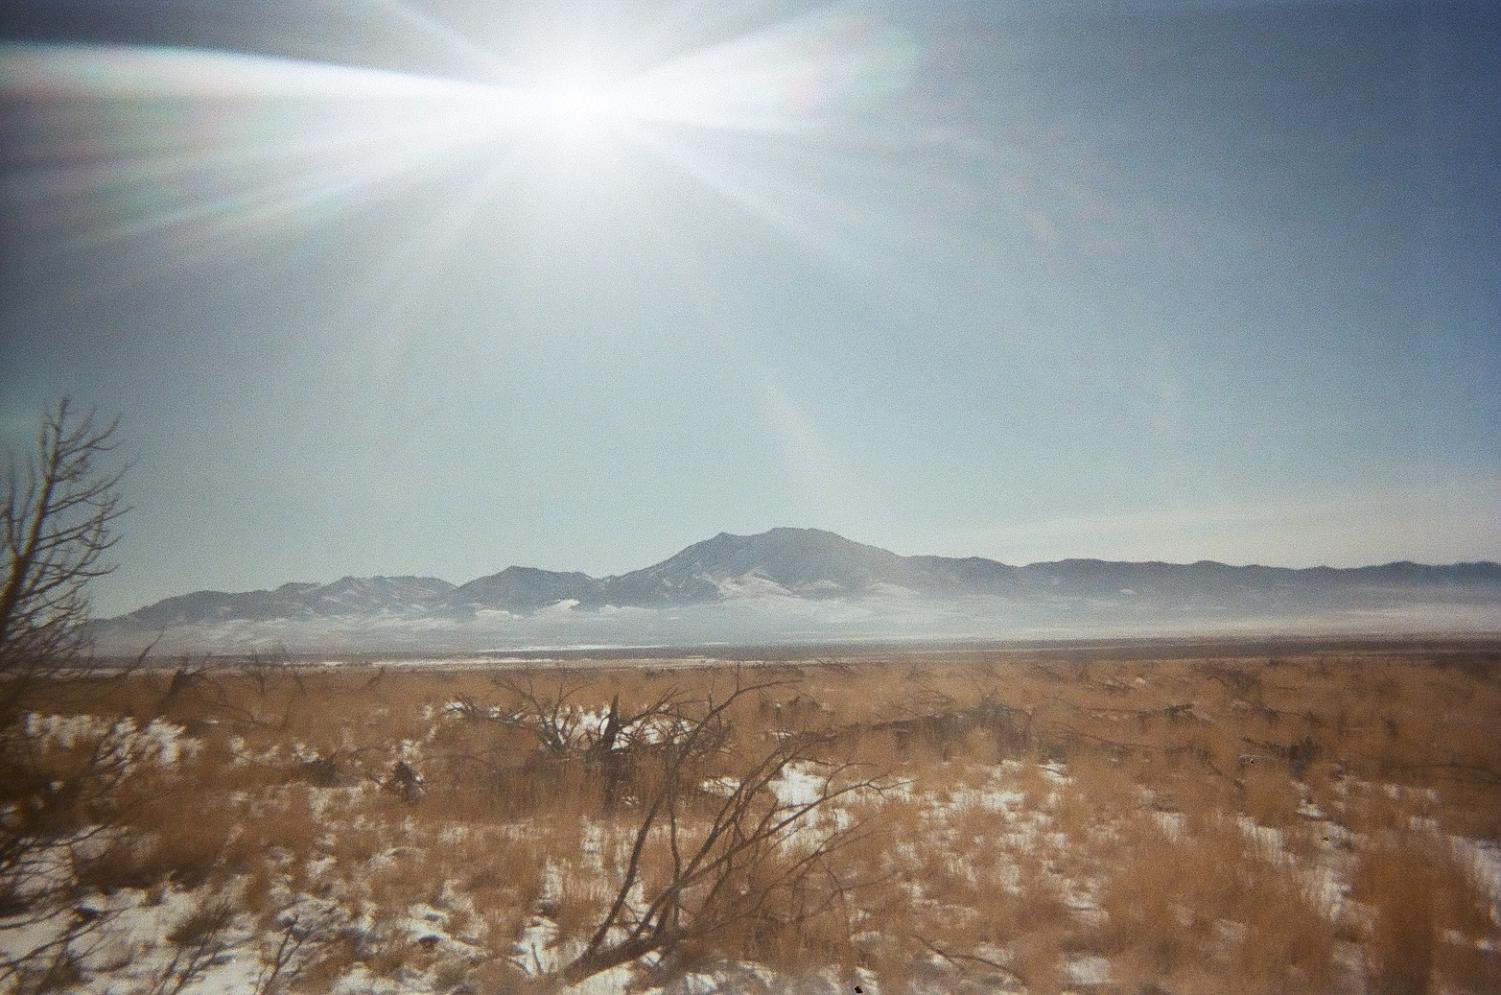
column 192, row 151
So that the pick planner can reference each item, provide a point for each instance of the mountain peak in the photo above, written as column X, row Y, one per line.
column 778, row 572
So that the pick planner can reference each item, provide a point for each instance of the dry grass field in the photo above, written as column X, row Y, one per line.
column 1135, row 819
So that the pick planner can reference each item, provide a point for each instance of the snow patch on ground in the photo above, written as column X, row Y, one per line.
column 1172, row 824
column 1087, row 969
column 799, row 784
column 158, row 742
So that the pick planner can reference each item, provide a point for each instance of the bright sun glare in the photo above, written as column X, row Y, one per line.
column 578, row 105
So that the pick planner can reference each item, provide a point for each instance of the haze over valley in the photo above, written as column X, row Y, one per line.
column 789, row 585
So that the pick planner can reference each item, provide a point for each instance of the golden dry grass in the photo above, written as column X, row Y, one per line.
column 1206, row 822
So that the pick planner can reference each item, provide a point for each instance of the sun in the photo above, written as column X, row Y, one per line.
column 580, row 106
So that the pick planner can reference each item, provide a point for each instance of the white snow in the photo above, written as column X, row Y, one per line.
column 1087, row 969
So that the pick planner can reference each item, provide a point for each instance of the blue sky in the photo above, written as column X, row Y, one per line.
column 1174, row 281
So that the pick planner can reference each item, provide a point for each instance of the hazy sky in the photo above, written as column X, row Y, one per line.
column 574, row 285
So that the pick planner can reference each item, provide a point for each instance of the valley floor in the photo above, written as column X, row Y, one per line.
column 1184, row 818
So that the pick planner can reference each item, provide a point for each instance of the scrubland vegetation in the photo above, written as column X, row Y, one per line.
column 1040, row 821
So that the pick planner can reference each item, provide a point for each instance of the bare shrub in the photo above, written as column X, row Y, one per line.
column 741, row 868
column 197, row 940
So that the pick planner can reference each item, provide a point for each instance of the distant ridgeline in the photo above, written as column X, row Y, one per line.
column 808, row 584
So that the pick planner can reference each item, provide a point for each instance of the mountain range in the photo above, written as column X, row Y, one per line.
column 788, row 584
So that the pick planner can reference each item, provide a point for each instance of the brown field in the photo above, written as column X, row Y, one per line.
column 1139, row 818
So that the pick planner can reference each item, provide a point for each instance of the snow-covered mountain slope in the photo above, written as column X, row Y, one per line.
column 347, row 596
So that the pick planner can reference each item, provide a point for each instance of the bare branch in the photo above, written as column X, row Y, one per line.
column 56, row 522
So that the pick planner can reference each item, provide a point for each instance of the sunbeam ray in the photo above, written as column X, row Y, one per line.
column 815, row 72
column 483, row 60
column 123, row 143
column 210, row 147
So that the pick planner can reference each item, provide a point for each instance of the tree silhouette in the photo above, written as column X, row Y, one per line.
column 56, row 520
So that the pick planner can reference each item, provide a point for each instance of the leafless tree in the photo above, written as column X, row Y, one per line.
column 57, row 518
